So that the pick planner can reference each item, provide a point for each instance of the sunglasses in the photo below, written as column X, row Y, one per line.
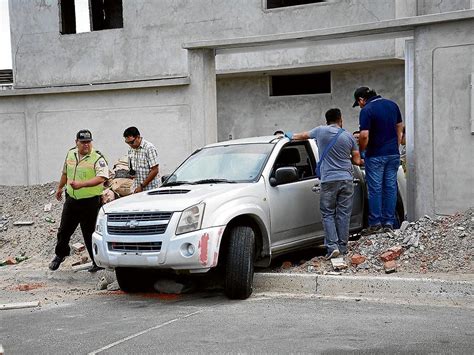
column 132, row 142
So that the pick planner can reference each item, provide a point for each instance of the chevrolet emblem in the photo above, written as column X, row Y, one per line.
column 132, row 224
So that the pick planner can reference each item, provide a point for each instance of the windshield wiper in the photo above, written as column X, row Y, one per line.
column 177, row 183
column 215, row 181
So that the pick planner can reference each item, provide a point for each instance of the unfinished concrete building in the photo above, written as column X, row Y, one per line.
column 188, row 73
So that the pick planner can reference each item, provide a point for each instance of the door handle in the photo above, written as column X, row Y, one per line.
column 316, row 187
column 356, row 181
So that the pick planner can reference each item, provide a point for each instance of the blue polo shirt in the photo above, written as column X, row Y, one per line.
column 380, row 117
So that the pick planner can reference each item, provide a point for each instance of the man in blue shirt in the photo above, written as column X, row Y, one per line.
column 336, row 179
column 381, row 129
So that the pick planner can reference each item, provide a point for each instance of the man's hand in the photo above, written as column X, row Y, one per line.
column 138, row 189
column 76, row 184
column 59, row 194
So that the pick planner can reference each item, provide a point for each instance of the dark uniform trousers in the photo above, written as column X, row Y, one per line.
column 83, row 212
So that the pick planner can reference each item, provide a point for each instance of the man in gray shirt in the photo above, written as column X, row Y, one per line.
column 336, row 179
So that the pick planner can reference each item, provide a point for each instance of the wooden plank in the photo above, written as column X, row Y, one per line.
column 19, row 305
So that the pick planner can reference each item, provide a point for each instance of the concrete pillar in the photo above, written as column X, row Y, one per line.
column 202, row 96
column 410, row 127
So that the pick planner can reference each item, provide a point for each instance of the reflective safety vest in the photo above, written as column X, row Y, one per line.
column 82, row 170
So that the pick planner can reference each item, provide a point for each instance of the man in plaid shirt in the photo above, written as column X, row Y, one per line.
column 142, row 160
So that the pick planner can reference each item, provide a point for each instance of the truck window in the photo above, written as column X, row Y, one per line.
column 297, row 155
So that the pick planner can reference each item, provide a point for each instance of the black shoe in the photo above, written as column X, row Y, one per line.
column 54, row 264
column 387, row 228
column 94, row 268
column 372, row 230
column 334, row 254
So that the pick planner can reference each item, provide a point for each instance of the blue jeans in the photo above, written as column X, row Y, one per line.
column 381, row 177
column 336, row 208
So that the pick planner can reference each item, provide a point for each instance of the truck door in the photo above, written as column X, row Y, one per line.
column 294, row 207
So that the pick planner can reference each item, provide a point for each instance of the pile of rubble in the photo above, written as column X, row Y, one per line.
column 29, row 221
column 440, row 245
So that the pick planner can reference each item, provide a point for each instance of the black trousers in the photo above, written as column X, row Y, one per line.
column 75, row 212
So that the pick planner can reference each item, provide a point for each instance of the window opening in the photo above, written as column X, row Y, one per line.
column 273, row 4
column 90, row 15
column 304, row 84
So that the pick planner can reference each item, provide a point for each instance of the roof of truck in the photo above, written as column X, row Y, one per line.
column 250, row 140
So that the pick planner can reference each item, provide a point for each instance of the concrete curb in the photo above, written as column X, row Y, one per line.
column 404, row 289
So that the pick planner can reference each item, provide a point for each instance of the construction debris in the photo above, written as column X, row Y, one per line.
column 429, row 245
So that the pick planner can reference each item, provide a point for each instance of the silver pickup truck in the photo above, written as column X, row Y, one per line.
column 233, row 205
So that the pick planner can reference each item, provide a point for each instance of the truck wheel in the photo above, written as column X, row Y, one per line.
column 239, row 263
column 130, row 280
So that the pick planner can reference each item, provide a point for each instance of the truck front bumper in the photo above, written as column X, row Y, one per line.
column 196, row 251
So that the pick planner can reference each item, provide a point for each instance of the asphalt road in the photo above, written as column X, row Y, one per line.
column 116, row 323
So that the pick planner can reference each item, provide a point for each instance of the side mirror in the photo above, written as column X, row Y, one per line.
column 164, row 177
column 284, row 175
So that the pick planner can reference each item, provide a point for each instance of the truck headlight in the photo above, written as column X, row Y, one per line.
column 191, row 219
column 100, row 222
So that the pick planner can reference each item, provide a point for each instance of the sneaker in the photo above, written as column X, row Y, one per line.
column 94, row 268
column 387, row 228
column 54, row 264
column 334, row 254
column 372, row 230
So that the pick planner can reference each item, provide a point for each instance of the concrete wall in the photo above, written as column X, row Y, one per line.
column 37, row 130
column 444, row 143
column 149, row 44
column 245, row 108
column 426, row 7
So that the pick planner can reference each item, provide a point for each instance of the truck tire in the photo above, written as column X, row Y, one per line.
column 239, row 263
column 130, row 280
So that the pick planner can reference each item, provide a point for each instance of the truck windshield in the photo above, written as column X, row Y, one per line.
column 223, row 164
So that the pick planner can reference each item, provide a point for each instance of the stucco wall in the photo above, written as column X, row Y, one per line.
column 245, row 108
column 444, row 163
column 149, row 44
column 38, row 130
column 426, row 7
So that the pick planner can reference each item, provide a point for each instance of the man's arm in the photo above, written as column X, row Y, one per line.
column 151, row 175
column 363, row 140
column 300, row 136
column 399, row 132
column 355, row 157
column 62, row 183
column 88, row 183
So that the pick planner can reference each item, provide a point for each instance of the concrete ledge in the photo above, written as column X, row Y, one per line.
column 398, row 27
column 409, row 289
column 125, row 85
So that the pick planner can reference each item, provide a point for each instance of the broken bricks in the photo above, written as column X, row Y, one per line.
column 78, row 247
column 392, row 253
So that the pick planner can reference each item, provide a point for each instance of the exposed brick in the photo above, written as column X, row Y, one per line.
column 357, row 259
column 392, row 253
column 78, row 247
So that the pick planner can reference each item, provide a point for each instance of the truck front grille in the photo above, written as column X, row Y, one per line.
column 138, row 223
column 135, row 247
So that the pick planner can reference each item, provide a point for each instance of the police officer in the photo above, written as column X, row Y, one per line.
column 84, row 172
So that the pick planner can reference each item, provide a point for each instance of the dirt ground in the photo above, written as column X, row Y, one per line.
column 440, row 245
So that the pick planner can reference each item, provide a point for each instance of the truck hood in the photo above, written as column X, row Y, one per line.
column 171, row 199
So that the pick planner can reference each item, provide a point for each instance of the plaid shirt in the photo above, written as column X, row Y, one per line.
column 142, row 160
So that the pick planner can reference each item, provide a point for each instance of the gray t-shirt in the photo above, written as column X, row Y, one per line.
column 337, row 165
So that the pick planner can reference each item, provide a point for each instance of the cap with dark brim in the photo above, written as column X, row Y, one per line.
column 360, row 92
column 84, row 135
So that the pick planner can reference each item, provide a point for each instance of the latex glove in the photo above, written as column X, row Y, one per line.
column 289, row 135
